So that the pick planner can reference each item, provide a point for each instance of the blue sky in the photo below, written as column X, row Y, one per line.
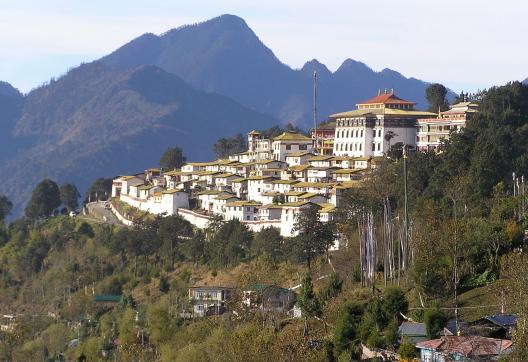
column 464, row 44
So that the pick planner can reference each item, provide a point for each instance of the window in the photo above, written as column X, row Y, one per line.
column 379, row 146
column 303, row 147
column 288, row 147
column 373, row 147
column 360, row 146
column 373, row 133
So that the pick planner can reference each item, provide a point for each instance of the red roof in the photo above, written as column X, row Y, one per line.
column 467, row 345
column 389, row 98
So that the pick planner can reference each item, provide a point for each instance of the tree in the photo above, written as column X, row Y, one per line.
column 69, row 196
column 228, row 243
column 279, row 199
column 394, row 303
column 161, row 325
column 170, row 230
column 164, row 284
column 193, row 248
column 407, row 351
column 514, row 285
column 225, row 147
column 86, row 229
column 44, row 200
column 314, row 237
column 308, row 301
column 333, row 288
column 101, row 189
column 345, row 330
column 127, row 330
column 268, row 242
column 388, row 137
column 173, row 158
column 436, row 96
column 435, row 320
column 5, row 207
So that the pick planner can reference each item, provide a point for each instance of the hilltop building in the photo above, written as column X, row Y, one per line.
column 323, row 137
column 433, row 130
column 277, row 148
column 375, row 126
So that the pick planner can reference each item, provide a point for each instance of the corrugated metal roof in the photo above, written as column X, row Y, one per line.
column 412, row 329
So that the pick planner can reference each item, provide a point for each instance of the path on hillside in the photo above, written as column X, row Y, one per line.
column 98, row 211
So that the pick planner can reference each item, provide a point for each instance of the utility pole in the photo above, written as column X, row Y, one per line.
column 315, row 107
column 455, row 264
column 405, row 210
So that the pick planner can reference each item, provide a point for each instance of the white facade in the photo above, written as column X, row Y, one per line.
column 242, row 210
column 375, row 126
column 167, row 202
column 433, row 131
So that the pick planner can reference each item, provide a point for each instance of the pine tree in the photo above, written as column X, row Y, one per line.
column 308, row 301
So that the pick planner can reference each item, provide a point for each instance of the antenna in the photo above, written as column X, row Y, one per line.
column 315, row 106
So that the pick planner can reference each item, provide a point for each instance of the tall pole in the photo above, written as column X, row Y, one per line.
column 315, row 107
column 455, row 264
column 405, row 203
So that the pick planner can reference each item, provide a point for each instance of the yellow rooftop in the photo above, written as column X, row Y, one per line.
column 292, row 136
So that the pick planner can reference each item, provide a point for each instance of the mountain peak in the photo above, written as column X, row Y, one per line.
column 353, row 65
column 314, row 64
column 228, row 18
column 8, row 90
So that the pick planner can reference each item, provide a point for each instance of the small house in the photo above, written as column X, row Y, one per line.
column 209, row 300
column 268, row 298
column 412, row 332
column 463, row 348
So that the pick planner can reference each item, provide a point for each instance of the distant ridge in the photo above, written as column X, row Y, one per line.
column 225, row 56
column 186, row 87
column 99, row 122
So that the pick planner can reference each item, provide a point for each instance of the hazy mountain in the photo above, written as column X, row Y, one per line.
column 11, row 101
column 187, row 87
column 97, row 121
column 224, row 55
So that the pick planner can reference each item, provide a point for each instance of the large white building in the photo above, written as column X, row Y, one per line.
column 433, row 130
column 375, row 126
column 261, row 148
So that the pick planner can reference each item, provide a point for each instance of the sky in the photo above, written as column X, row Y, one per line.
column 466, row 45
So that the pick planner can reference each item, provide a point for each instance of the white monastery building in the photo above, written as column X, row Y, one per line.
column 433, row 130
column 375, row 125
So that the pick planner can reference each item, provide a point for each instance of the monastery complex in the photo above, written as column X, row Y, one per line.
column 276, row 178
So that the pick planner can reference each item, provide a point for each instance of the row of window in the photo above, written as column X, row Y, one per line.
column 350, row 122
column 349, row 133
column 356, row 146
column 349, row 147
column 356, row 133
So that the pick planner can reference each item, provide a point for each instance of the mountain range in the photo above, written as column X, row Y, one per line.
column 186, row 87
column 225, row 56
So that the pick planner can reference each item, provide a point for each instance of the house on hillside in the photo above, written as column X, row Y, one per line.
column 463, row 348
column 412, row 332
column 268, row 298
column 494, row 326
column 209, row 300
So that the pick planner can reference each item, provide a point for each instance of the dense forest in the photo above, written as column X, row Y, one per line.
column 464, row 246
